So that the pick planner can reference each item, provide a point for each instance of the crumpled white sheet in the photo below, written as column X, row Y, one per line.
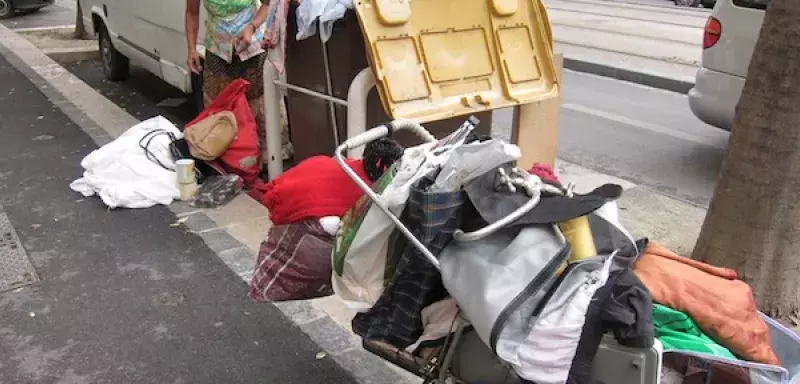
column 439, row 320
column 326, row 11
column 122, row 175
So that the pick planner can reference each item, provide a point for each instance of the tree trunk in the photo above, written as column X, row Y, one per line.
column 753, row 222
column 80, row 31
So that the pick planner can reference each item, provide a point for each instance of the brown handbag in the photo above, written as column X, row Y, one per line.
column 209, row 138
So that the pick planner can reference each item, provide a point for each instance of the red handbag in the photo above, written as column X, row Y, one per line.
column 243, row 156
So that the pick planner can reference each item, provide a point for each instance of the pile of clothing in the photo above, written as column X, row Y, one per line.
column 306, row 205
column 707, row 321
column 506, row 283
column 518, row 284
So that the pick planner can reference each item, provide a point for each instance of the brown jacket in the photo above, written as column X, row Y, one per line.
column 721, row 305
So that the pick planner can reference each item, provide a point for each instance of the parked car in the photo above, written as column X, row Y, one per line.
column 148, row 33
column 729, row 39
column 9, row 8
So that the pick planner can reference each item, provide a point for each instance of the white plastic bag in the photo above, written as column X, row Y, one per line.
column 472, row 160
column 361, row 253
column 123, row 176
column 326, row 11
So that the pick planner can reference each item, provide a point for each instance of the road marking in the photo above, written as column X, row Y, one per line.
column 643, row 125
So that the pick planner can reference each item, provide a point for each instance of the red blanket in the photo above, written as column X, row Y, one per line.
column 315, row 188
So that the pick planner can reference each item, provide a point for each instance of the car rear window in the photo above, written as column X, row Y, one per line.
column 755, row 4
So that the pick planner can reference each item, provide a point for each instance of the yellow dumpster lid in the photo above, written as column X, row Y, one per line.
column 435, row 59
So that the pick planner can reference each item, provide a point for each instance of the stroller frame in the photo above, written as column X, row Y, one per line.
column 644, row 363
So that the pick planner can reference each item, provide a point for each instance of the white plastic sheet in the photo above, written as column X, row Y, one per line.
column 122, row 175
column 326, row 11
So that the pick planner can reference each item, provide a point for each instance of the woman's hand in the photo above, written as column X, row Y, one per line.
column 192, row 20
column 194, row 61
column 245, row 37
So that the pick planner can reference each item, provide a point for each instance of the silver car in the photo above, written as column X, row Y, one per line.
column 728, row 41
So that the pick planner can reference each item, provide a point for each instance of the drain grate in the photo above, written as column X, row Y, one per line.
column 16, row 269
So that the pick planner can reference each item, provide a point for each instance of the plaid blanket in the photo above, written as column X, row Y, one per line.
column 396, row 317
column 294, row 263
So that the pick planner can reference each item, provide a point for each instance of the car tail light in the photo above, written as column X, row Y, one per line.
column 712, row 32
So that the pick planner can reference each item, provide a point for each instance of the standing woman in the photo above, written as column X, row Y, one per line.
column 234, row 35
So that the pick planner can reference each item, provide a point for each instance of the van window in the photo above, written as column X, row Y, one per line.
column 755, row 4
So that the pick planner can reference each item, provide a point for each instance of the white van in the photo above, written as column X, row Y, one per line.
column 729, row 39
column 149, row 33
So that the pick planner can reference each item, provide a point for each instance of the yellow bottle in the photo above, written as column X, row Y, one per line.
column 579, row 236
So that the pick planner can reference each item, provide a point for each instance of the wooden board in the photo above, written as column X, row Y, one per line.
column 535, row 127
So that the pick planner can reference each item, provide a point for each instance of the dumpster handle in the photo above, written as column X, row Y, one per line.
column 356, row 104
column 357, row 96
column 367, row 137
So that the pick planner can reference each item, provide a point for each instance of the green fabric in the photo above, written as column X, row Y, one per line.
column 226, row 8
column 677, row 331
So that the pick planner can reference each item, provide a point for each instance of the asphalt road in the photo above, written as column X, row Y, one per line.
column 645, row 135
column 60, row 14
column 126, row 296
column 656, row 3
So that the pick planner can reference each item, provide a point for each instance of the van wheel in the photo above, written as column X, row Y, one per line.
column 115, row 65
column 6, row 9
column 687, row 3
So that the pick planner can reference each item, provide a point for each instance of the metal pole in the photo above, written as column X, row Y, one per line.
column 272, row 111
column 328, row 82
column 309, row 92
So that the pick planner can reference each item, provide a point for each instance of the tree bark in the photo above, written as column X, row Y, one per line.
column 753, row 221
column 80, row 31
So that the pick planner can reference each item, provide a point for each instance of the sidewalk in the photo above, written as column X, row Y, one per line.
column 125, row 296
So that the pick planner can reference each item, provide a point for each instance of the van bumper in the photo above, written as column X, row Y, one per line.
column 714, row 97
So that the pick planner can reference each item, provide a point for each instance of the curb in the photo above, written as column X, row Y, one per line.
column 103, row 121
column 641, row 78
column 71, row 55
column 39, row 29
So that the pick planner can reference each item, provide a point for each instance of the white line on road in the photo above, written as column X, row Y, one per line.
column 643, row 125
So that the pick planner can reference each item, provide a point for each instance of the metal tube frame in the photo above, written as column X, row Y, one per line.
column 356, row 104
column 363, row 139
